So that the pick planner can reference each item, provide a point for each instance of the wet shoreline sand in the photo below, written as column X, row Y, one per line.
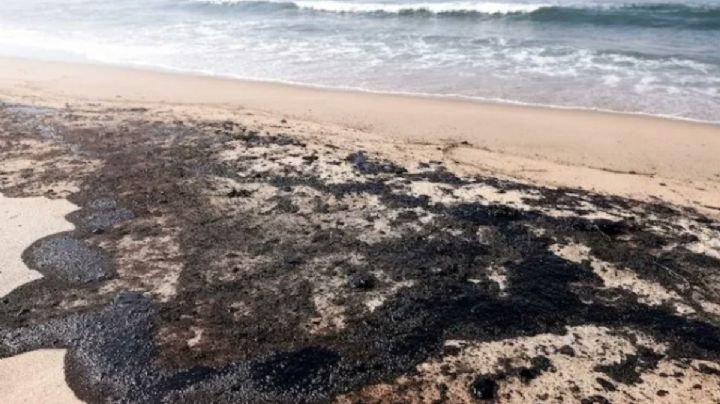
column 222, row 251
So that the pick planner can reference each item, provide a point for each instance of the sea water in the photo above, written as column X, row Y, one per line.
column 655, row 57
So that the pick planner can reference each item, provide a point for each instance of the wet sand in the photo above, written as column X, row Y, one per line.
column 223, row 251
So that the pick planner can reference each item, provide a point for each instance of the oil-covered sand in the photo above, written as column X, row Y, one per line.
column 226, row 261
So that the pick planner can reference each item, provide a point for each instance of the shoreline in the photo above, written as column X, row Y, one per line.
column 300, row 86
column 65, row 56
column 429, row 96
column 633, row 156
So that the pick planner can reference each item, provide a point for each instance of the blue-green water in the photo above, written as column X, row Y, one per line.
column 653, row 57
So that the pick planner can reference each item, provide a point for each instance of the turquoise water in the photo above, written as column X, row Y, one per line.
column 652, row 57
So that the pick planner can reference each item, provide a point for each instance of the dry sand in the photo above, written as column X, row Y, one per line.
column 35, row 377
column 38, row 376
column 25, row 220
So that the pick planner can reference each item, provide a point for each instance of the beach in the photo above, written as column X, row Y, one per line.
column 178, row 238
column 537, row 144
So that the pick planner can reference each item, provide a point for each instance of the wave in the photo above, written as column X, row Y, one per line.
column 660, row 15
column 333, row 6
column 432, row 8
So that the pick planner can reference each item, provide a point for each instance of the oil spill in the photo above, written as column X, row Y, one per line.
column 65, row 258
column 362, row 163
column 629, row 370
column 301, row 372
column 306, row 271
column 104, row 213
column 484, row 388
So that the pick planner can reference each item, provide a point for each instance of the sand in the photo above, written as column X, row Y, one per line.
column 26, row 220
column 571, row 376
column 648, row 159
column 630, row 155
column 37, row 376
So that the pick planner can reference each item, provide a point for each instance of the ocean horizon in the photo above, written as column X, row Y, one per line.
column 657, row 58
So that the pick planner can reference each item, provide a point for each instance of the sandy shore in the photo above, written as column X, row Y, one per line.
column 235, row 240
column 627, row 155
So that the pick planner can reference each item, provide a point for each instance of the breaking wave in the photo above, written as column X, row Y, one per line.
column 695, row 16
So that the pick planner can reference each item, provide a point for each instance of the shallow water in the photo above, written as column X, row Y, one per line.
column 644, row 56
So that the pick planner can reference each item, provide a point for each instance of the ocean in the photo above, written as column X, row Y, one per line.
column 651, row 57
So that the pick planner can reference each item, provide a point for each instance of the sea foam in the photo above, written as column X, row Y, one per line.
column 397, row 8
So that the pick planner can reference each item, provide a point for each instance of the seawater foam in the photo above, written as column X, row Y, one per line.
column 619, row 55
column 397, row 8
column 437, row 8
